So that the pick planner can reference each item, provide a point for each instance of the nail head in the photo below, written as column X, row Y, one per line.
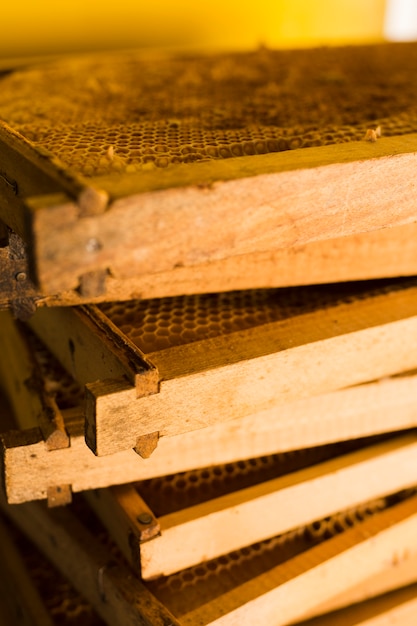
column 145, row 518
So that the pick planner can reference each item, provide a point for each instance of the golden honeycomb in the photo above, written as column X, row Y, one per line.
column 134, row 111
column 161, row 323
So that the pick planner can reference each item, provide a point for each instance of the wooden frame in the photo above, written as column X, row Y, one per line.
column 402, row 575
column 133, row 398
column 351, row 556
column 75, row 228
column 383, row 253
column 30, row 471
column 229, row 522
column 362, row 553
column 399, row 607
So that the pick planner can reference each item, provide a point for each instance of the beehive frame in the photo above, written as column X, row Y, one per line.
column 377, row 254
column 201, row 381
column 209, row 529
column 84, row 182
column 30, row 472
column 398, row 606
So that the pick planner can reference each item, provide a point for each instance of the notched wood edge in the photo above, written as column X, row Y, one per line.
column 91, row 200
column 141, row 371
column 146, row 444
column 93, row 284
column 58, row 495
column 93, row 393
column 52, row 425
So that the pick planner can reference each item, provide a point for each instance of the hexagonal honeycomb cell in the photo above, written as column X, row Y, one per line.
column 158, row 324
column 130, row 112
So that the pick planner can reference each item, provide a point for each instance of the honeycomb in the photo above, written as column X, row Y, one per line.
column 57, row 382
column 187, row 590
column 167, row 494
column 161, row 323
column 64, row 604
column 130, row 112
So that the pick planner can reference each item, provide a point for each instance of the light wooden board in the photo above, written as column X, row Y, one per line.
column 206, row 531
column 284, row 201
column 285, row 593
column 228, row 377
column 398, row 607
column 378, row 254
column 396, row 575
column 117, row 596
column 365, row 410
column 386, row 538
column 17, row 591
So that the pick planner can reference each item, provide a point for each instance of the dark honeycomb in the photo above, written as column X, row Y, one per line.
column 162, row 323
column 134, row 111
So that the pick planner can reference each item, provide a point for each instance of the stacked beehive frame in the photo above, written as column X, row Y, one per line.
column 183, row 347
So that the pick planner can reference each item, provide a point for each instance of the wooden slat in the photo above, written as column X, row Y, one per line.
column 259, row 512
column 398, row 607
column 96, row 350
column 361, row 411
column 378, row 254
column 117, row 596
column 318, row 201
column 316, row 574
column 246, row 371
column 404, row 573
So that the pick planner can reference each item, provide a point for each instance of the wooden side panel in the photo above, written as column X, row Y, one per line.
column 91, row 348
column 315, row 194
column 377, row 254
column 217, row 380
column 317, row 574
column 233, row 521
column 398, row 607
column 388, row 405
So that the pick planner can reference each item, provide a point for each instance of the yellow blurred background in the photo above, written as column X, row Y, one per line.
column 50, row 26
